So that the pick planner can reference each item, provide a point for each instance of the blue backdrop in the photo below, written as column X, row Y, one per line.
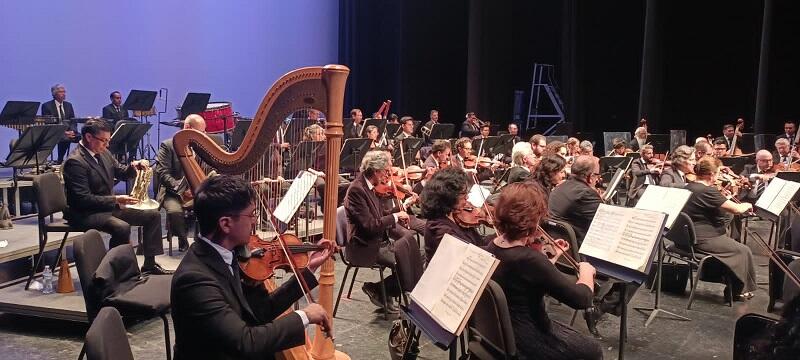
column 233, row 49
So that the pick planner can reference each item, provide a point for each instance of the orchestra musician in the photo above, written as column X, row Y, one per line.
column 470, row 126
column 371, row 228
column 576, row 200
column 538, row 143
column 523, row 162
column 710, row 212
column 639, row 138
column 216, row 313
column 173, row 188
column 645, row 171
column 573, row 146
column 756, row 177
column 549, row 173
column 556, row 148
column 114, row 112
column 485, row 131
column 354, row 131
column 784, row 154
column 682, row 163
column 62, row 110
column 728, row 131
column 444, row 195
column 90, row 172
column 527, row 273
column 433, row 120
column 513, row 130
column 371, row 132
column 720, row 148
column 586, row 148
column 315, row 132
column 406, row 128
column 702, row 148
column 439, row 156
column 463, row 152
column 789, row 132
column 619, row 148
column 393, row 119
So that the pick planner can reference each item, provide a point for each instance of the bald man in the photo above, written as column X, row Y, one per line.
column 172, row 183
column 575, row 201
column 757, row 175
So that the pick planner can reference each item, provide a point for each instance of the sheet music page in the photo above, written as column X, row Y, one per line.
column 452, row 281
column 783, row 197
column 770, row 193
column 623, row 236
column 477, row 195
column 298, row 191
column 664, row 199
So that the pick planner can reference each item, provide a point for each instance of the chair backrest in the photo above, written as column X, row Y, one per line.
column 107, row 338
column 89, row 253
column 562, row 230
column 682, row 233
column 491, row 335
column 341, row 227
column 752, row 336
column 50, row 197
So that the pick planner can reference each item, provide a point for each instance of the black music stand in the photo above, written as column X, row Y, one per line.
column 393, row 130
column 442, row 131
column 126, row 138
column 481, row 147
column 353, row 151
column 634, row 155
column 736, row 163
column 505, row 144
column 140, row 100
column 379, row 123
column 239, row 131
column 194, row 103
column 660, row 143
column 410, row 148
column 610, row 164
column 34, row 146
column 19, row 113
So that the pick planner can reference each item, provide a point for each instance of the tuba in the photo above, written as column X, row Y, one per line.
column 319, row 87
column 141, row 188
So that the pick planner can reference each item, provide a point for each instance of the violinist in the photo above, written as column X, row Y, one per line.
column 538, row 143
column 556, row 148
column 573, row 147
column 463, row 153
column 618, row 148
column 702, row 148
column 710, row 212
column 439, row 156
column 758, row 176
column 576, row 200
column 523, row 162
column 645, row 171
column 720, row 148
column 549, row 173
column 683, row 161
column 586, row 148
column 639, row 139
column 216, row 314
column 785, row 155
column 527, row 273
column 444, row 196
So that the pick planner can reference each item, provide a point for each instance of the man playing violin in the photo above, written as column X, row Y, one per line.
column 683, row 161
column 440, row 155
column 645, row 171
column 217, row 314
column 702, row 148
column 784, row 154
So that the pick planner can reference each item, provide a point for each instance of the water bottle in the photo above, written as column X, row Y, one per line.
column 47, row 280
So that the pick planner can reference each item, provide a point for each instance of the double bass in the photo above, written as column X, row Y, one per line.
column 321, row 88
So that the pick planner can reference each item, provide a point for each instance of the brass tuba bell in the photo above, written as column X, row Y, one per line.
column 140, row 190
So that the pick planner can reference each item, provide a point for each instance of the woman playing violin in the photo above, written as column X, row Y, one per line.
column 527, row 273
column 549, row 173
column 444, row 196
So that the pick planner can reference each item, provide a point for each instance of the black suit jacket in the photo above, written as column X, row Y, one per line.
column 89, row 185
column 639, row 172
column 112, row 115
column 574, row 202
column 518, row 174
column 469, row 130
column 49, row 108
column 217, row 318
column 169, row 171
column 670, row 177
column 633, row 144
column 352, row 131
column 367, row 223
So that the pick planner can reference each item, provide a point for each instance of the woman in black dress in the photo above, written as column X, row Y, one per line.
column 527, row 273
column 549, row 172
column 711, row 213
column 443, row 195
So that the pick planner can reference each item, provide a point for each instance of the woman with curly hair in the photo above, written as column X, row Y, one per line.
column 444, row 196
column 549, row 173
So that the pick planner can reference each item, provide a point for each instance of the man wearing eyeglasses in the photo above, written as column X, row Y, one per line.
column 90, row 173
column 575, row 201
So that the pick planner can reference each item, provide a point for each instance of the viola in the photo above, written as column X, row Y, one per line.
column 473, row 216
column 266, row 256
column 412, row 173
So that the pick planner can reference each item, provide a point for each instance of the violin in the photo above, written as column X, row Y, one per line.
column 481, row 161
column 793, row 166
column 472, row 216
column 411, row 173
column 266, row 256
column 388, row 190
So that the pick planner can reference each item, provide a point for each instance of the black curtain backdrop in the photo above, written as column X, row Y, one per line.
column 697, row 70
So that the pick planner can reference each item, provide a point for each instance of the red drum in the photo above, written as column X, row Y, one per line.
column 219, row 117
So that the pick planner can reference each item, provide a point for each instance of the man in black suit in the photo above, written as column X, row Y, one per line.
column 758, row 176
column 470, row 128
column 218, row 314
column 642, row 174
column 575, row 201
column 63, row 111
column 358, row 122
column 728, row 130
column 406, row 128
column 172, row 183
column 682, row 163
column 433, row 120
column 89, row 174
column 789, row 131
column 513, row 129
column 370, row 227
column 639, row 139
column 114, row 112
column 784, row 154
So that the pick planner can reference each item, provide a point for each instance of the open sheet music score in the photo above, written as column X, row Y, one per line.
column 664, row 199
column 777, row 194
column 297, row 192
column 453, row 282
column 623, row 236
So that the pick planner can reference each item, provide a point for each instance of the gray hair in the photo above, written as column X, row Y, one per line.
column 583, row 166
column 781, row 141
column 646, row 147
column 519, row 152
column 373, row 161
column 682, row 154
column 55, row 87
column 586, row 145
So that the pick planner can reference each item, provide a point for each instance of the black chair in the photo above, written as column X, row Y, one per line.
column 342, row 238
column 491, row 335
column 779, row 288
column 752, row 336
column 106, row 338
column 113, row 279
column 188, row 217
column 50, row 199
column 683, row 240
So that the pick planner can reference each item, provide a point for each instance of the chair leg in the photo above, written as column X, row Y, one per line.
column 169, row 237
column 694, row 286
column 83, row 351
column 730, row 291
column 166, row 337
column 38, row 261
column 341, row 288
column 350, row 290
column 383, row 294
column 60, row 250
column 399, row 285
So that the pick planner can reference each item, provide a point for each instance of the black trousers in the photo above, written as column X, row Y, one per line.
column 63, row 148
column 175, row 216
column 118, row 224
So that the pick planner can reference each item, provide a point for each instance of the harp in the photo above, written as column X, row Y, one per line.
column 320, row 88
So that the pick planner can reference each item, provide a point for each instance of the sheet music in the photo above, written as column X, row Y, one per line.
column 294, row 197
column 666, row 199
column 623, row 236
column 777, row 194
column 452, row 282
column 475, row 197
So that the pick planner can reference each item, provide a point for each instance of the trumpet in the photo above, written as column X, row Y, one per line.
column 425, row 131
column 140, row 190
column 481, row 123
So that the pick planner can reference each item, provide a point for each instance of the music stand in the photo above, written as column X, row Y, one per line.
column 194, row 103
column 442, row 131
column 34, row 146
column 485, row 145
column 410, row 148
column 392, row 130
column 140, row 100
column 379, row 123
column 19, row 112
column 505, row 144
column 610, row 164
column 736, row 163
column 239, row 131
column 127, row 137
column 353, row 150
column 660, row 143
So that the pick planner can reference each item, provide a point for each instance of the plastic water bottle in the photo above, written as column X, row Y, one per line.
column 47, row 280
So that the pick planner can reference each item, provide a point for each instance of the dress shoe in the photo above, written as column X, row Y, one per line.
column 592, row 316
column 372, row 291
column 183, row 245
column 156, row 270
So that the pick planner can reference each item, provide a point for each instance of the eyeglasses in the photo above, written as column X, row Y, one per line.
column 103, row 140
column 252, row 215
